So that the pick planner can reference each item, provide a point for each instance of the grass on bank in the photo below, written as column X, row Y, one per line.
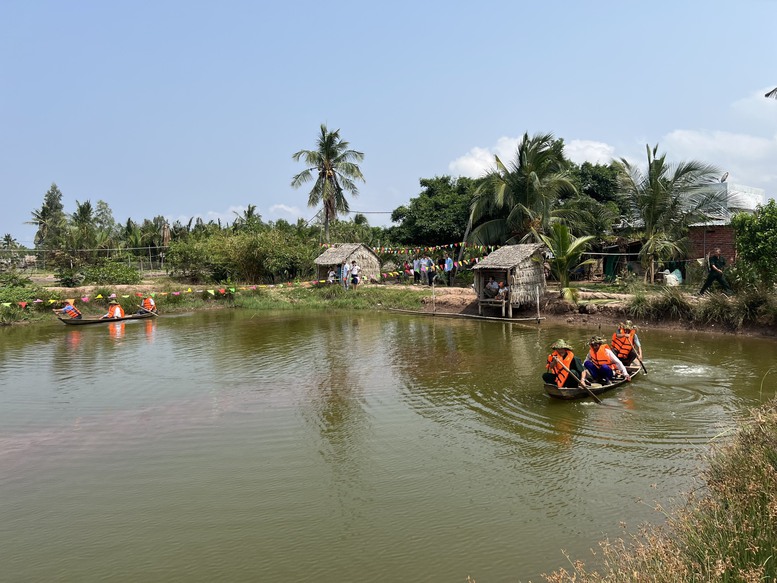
column 752, row 307
column 726, row 532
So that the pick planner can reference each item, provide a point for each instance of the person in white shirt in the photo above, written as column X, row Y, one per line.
column 355, row 271
column 346, row 273
column 601, row 362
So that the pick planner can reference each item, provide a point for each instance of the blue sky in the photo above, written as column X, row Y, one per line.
column 195, row 108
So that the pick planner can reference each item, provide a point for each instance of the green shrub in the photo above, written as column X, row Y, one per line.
column 69, row 276
column 111, row 273
column 671, row 303
column 754, row 305
column 715, row 309
column 639, row 307
column 13, row 278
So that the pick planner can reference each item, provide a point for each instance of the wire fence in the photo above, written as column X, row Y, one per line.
column 31, row 260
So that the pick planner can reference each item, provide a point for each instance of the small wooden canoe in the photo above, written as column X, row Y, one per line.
column 595, row 388
column 84, row 321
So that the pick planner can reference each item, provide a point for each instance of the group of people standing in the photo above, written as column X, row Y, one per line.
column 604, row 364
column 425, row 271
column 348, row 274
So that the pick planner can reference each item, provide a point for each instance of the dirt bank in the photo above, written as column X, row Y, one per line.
column 595, row 310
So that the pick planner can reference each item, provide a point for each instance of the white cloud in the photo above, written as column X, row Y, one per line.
column 748, row 156
column 748, row 159
column 579, row 151
column 478, row 161
column 282, row 209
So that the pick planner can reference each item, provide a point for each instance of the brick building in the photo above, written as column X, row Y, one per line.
column 717, row 232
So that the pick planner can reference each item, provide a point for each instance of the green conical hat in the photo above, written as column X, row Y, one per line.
column 561, row 343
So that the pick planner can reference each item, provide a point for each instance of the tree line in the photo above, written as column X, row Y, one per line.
column 538, row 195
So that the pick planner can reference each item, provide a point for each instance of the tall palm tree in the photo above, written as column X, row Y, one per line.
column 665, row 198
column 83, row 222
column 336, row 168
column 9, row 242
column 516, row 199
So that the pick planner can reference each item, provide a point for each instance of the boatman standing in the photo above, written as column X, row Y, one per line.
column 564, row 368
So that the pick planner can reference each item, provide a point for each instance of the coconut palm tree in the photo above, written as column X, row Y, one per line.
column 665, row 198
column 566, row 252
column 336, row 168
column 9, row 242
column 516, row 199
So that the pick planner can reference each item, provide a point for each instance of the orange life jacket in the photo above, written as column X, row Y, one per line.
column 600, row 356
column 623, row 342
column 72, row 312
column 557, row 369
column 149, row 305
column 116, row 312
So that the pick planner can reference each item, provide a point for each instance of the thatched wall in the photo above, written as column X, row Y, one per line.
column 338, row 254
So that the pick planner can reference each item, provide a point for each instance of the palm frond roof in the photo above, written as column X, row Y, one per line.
column 509, row 256
column 341, row 252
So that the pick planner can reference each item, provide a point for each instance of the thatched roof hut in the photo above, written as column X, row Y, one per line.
column 335, row 256
column 520, row 267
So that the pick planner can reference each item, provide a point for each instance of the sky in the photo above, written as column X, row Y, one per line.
column 194, row 109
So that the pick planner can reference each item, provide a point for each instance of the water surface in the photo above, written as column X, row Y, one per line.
column 339, row 447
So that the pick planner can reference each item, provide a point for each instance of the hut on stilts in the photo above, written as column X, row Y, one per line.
column 520, row 267
column 333, row 258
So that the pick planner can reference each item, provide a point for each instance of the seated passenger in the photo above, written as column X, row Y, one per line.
column 565, row 369
column 491, row 289
column 625, row 343
column 601, row 362
column 114, row 310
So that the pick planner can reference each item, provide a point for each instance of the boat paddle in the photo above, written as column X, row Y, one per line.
column 642, row 364
column 581, row 383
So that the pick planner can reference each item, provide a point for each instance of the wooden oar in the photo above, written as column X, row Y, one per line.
column 642, row 364
column 581, row 383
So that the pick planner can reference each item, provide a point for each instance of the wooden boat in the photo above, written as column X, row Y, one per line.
column 84, row 321
column 595, row 388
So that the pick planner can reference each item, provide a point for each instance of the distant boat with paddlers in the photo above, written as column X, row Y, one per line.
column 84, row 321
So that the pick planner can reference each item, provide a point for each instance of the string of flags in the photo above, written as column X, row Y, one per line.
column 423, row 249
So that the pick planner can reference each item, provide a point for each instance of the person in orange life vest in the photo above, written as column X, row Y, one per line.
column 557, row 375
column 114, row 310
column 625, row 343
column 601, row 362
column 70, row 310
column 147, row 305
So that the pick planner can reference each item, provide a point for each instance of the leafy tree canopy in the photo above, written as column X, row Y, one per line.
column 756, row 240
column 438, row 215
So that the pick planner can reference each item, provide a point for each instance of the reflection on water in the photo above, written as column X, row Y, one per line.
column 373, row 447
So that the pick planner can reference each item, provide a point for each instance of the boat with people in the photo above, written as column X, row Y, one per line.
column 84, row 321
column 604, row 368
column 591, row 388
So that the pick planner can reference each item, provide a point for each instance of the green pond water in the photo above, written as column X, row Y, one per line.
column 240, row 446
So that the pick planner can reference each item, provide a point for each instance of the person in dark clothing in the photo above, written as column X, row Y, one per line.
column 716, row 263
